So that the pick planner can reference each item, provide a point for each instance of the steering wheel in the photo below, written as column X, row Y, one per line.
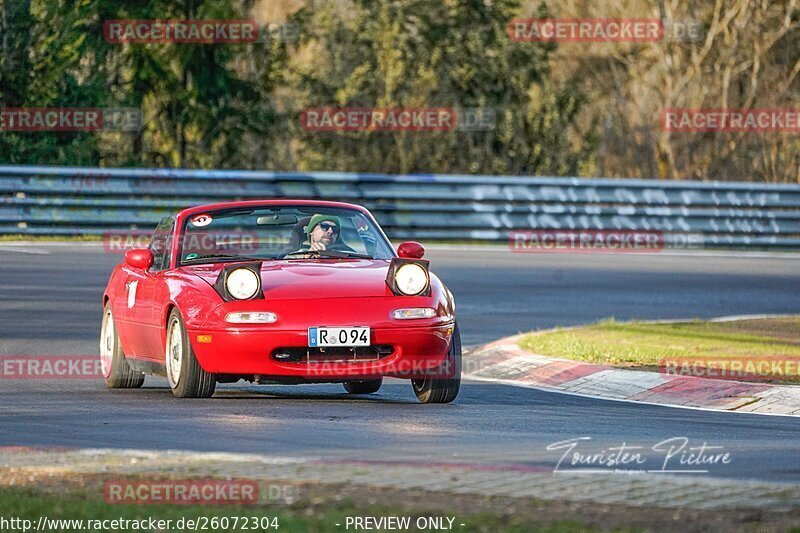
column 300, row 251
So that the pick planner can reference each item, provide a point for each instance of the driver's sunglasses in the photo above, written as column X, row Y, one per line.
column 325, row 227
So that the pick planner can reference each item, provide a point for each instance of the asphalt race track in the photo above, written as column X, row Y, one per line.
column 49, row 304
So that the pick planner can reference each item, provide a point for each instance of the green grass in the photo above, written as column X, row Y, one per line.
column 30, row 504
column 645, row 345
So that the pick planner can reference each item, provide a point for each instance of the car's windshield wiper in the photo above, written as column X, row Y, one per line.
column 221, row 256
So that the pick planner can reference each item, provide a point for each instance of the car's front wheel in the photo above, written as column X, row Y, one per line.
column 367, row 386
column 442, row 390
column 186, row 377
column 116, row 372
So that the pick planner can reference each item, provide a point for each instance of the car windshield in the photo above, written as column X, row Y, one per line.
column 281, row 233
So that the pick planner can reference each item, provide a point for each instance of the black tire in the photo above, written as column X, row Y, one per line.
column 367, row 386
column 442, row 390
column 192, row 381
column 116, row 372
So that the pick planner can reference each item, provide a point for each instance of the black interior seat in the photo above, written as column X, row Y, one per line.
column 298, row 235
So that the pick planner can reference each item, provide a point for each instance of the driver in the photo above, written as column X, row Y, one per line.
column 323, row 232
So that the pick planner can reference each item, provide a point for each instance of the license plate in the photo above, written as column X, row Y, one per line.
column 324, row 337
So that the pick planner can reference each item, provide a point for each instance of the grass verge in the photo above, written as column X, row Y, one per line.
column 646, row 346
column 26, row 503
column 33, row 493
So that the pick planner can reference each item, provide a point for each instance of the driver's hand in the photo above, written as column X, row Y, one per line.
column 317, row 246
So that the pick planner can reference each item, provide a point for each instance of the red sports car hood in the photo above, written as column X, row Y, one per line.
column 299, row 279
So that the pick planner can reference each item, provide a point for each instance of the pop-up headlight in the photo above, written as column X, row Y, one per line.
column 241, row 281
column 409, row 277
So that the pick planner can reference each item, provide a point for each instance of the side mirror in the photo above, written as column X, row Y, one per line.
column 411, row 250
column 139, row 258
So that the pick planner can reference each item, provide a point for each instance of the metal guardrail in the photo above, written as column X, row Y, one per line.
column 85, row 201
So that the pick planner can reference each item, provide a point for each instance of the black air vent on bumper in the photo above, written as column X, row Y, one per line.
column 333, row 354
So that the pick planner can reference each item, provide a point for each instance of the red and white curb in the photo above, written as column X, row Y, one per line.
column 505, row 362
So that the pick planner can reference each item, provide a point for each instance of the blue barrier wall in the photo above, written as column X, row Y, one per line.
column 85, row 201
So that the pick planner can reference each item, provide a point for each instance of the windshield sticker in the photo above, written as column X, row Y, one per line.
column 191, row 256
column 201, row 220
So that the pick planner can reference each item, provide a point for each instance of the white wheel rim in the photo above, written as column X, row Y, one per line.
column 107, row 340
column 174, row 353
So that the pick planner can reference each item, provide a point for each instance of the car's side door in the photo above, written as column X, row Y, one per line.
column 142, row 290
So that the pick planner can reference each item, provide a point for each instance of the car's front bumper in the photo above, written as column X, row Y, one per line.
column 417, row 351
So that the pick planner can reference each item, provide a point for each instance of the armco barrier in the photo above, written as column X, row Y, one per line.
column 81, row 201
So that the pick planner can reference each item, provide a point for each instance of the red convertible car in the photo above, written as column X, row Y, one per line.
column 279, row 291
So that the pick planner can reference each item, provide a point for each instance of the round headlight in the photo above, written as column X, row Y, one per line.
column 242, row 283
column 411, row 279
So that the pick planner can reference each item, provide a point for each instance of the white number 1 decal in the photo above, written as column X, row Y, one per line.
column 131, row 286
